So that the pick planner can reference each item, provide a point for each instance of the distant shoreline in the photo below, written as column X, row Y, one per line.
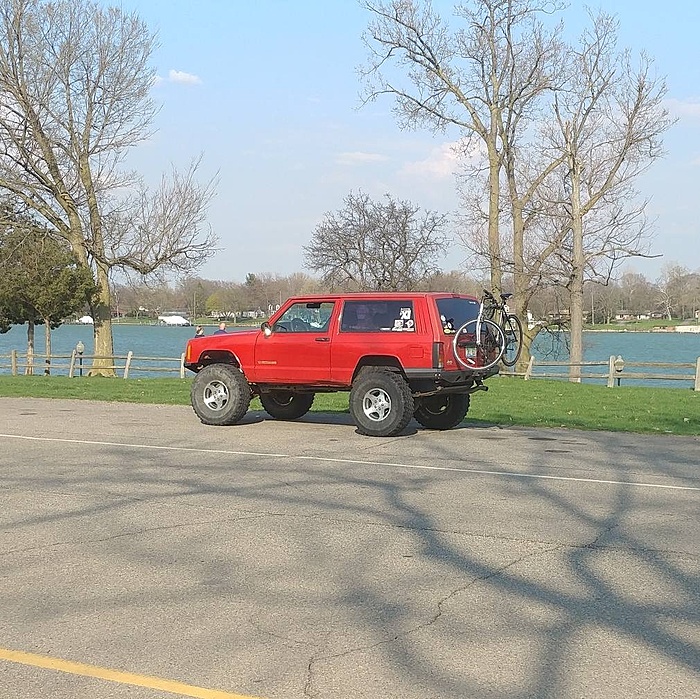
column 682, row 329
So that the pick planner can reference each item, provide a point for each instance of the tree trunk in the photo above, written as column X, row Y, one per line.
column 47, row 345
column 521, row 280
column 101, row 315
column 577, row 270
column 529, row 335
column 29, row 368
column 494, row 218
column 576, row 341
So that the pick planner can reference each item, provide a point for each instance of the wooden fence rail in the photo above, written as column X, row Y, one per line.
column 616, row 369
column 75, row 364
column 613, row 371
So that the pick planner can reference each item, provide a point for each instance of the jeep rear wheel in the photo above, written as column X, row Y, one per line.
column 220, row 394
column 286, row 405
column 381, row 403
column 442, row 412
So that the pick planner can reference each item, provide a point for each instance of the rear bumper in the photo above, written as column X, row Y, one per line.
column 426, row 382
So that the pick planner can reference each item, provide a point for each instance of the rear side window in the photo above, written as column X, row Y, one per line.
column 378, row 316
column 455, row 312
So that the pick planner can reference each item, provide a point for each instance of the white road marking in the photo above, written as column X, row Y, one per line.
column 358, row 462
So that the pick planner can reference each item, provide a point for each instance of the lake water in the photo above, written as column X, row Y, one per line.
column 165, row 341
column 671, row 347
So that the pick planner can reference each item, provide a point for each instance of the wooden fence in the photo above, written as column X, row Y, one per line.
column 613, row 371
column 76, row 364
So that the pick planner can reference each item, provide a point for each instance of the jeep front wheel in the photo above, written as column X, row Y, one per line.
column 220, row 394
column 381, row 403
column 442, row 412
column 286, row 405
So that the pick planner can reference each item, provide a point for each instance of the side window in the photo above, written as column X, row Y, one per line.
column 378, row 316
column 305, row 318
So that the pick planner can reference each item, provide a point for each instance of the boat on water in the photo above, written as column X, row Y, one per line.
column 173, row 320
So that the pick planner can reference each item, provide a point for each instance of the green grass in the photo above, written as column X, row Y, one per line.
column 168, row 391
column 539, row 403
column 639, row 325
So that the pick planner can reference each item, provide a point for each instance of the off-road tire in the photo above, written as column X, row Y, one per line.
column 381, row 403
column 220, row 395
column 513, row 331
column 286, row 405
column 442, row 411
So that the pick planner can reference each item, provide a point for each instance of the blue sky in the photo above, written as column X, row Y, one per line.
column 267, row 91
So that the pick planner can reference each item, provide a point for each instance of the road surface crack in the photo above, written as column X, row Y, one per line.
column 309, row 690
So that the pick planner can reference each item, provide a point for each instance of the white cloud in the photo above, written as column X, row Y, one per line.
column 444, row 160
column 179, row 76
column 441, row 162
column 683, row 109
column 358, row 158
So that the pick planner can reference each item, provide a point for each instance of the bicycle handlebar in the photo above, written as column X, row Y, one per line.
column 488, row 295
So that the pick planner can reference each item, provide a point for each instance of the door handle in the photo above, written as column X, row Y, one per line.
column 323, row 339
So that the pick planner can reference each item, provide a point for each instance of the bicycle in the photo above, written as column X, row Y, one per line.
column 485, row 342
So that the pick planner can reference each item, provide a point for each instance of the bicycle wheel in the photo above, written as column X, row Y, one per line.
column 513, row 331
column 478, row 346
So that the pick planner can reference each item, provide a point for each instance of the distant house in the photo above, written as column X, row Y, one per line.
column 253, row 314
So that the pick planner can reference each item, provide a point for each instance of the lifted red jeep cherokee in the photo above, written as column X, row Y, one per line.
column 393, row 351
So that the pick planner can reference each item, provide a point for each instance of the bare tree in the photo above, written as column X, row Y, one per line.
column 496, row 81
column 486, row 80
column 75, row 85
column 678, row 291
column 376, row 245
column 456, row 281
column 609, row 124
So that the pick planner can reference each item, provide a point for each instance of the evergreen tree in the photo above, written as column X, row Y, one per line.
column 41, row 282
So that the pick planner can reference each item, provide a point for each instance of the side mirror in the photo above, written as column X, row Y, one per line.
column 265, row 327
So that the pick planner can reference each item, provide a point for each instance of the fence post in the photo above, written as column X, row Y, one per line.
column 13, row 362
column 71, row 369
column 611, row 371
column 530, row 365
column 129, row 355
column 697, row 375
column 182, row 365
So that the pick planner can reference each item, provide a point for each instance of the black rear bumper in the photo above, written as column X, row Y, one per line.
column 427, row 382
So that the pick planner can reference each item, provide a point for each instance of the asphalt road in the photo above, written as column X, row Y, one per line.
column 145, row 555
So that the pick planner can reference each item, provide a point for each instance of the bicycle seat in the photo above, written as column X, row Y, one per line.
column 505, row 297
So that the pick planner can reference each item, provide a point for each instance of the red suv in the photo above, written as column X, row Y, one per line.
column 394, row 352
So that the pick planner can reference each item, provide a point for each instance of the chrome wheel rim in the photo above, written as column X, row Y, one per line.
column 216, row 395
column 376, row 404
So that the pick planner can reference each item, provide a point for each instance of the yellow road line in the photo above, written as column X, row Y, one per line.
column 48, row 663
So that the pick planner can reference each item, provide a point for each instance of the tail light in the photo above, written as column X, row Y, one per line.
column 438, row 355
